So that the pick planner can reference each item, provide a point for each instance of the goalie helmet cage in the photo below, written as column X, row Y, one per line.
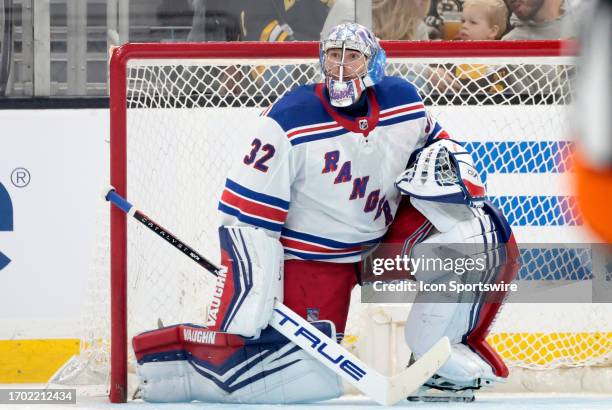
column 170, row 154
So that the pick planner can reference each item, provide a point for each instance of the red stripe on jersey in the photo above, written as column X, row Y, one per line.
column 308, row 247
column 253, row 208
column 311, row 129
column 405, row 109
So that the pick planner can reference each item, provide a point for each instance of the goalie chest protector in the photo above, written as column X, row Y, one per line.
column 321, row 181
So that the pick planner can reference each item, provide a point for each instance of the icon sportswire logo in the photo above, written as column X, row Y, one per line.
column 6, row 220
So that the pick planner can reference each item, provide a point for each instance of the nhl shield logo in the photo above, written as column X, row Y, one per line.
column 312, row 314
column 363, row 124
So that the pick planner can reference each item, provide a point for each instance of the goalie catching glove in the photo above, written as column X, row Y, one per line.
column 245, row 292
column 444, row 172
column 443, row 185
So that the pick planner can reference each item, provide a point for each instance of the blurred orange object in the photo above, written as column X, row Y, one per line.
column 594, row 195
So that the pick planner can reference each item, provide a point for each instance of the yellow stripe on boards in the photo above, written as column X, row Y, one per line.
column 34, row 361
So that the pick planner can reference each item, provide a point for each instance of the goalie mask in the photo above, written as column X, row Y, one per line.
column 351, row 60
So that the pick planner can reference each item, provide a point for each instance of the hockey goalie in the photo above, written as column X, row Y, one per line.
column 333, row 171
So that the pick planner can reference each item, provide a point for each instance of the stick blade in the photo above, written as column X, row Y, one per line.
column 407, row 382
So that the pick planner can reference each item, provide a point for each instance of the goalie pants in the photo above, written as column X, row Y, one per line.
column 318, row 290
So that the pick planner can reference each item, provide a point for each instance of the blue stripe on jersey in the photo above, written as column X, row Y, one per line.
column 324, row 241
column 259, row 197
column 402, row 118
column 321, row 256
column 316, row 137
column 261, row 223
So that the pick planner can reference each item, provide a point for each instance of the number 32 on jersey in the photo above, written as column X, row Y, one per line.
column 259, row 160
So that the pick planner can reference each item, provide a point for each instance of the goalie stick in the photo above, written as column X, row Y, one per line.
column 384, row 390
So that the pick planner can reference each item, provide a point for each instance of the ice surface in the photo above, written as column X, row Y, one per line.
column 483, row 401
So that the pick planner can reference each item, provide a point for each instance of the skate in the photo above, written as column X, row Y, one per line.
column 441, row 389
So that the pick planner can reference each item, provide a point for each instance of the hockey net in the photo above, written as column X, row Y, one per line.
column 178, row 113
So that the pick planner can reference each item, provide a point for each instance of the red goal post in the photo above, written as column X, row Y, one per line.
column 226, row 59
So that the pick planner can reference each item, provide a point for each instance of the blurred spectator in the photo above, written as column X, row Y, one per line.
column 483, row 20
column 400, row 19
column 270, row 20
column 391, row 19
column 540, row 20
column 480, row 20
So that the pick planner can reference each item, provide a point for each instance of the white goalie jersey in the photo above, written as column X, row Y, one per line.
column 321, row 182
